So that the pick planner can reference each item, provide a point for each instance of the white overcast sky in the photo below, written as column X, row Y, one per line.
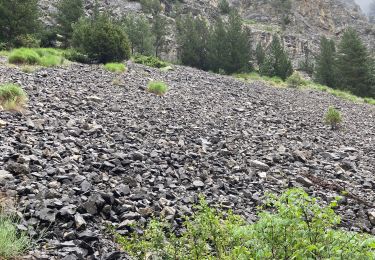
column 364, row 4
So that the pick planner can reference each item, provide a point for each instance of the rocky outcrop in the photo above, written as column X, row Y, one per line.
column 92, row 152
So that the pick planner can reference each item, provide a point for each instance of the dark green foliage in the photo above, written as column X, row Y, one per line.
column 68, row 13
column 17, row 18
column 74, row 55
column 229, row 46
column 260, row 55
column 276, row 62
column 325, row 70
column 354, row 65
column 101, row 38
column 297, row 227
column 151, row 6
column 140, row 35
column 150, row 61
column 193, row 34
column 224, row 7
column 223, row 47
column 27, row 40
column 159, row 29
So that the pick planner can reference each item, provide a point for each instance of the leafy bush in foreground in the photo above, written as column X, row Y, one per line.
column 333, row 118
column 296, row 228
column 12, row 242
column 150, row 61
column 157, row 87
column 12, row 97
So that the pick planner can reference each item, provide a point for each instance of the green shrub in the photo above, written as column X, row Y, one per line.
column 333, row 118
column 296, row 227
column 12, row 97
column 101, row 38
column 24, row 56
column 295, row 80
column 46, row 57
column 26, row 41
column 115, row 67
column 157, row 87
column 369, row 101
column 12, row 242
column 75, row 55
column 224, row 7
column 150, row 61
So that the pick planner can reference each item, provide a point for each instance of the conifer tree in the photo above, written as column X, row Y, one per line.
column 354, row 64
column 260, row 54
column 239, row 45
column 17, row 18
column 68, row 13
column 140, row 35
column 229, row 47
column 193, row 37
column 325, row 72
column 276, row 62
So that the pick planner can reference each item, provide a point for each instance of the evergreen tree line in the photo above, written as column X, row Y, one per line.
column 226, row 47
column 222, row 46
column 347, row 67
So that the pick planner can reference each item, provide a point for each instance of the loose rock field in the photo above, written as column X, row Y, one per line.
column 91, row 151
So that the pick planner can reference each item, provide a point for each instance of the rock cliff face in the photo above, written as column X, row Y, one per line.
column 308, row 20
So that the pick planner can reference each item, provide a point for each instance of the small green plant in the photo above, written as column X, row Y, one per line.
column 12, row 97
column 115, row 67
column 291, row 226
column 333, row 118
column 150, row 61
column 12, row 242
column 295, row 80
column 157, row 87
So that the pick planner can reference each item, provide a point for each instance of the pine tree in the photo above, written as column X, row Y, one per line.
column 193, row 37
column 325, row 72
column 239, row 45
column 277, row 62
column 159, row 29
column 17, row 18
column 229, row 47
column 68, row 13
column 354, row 64
column 217, row 46
column 260, row 54
column 140, row 35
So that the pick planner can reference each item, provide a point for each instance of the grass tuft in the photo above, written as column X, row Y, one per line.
column 12, row 97
column 115, row 67
column 157, row 87
column 12, row 242
column 46, row 57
